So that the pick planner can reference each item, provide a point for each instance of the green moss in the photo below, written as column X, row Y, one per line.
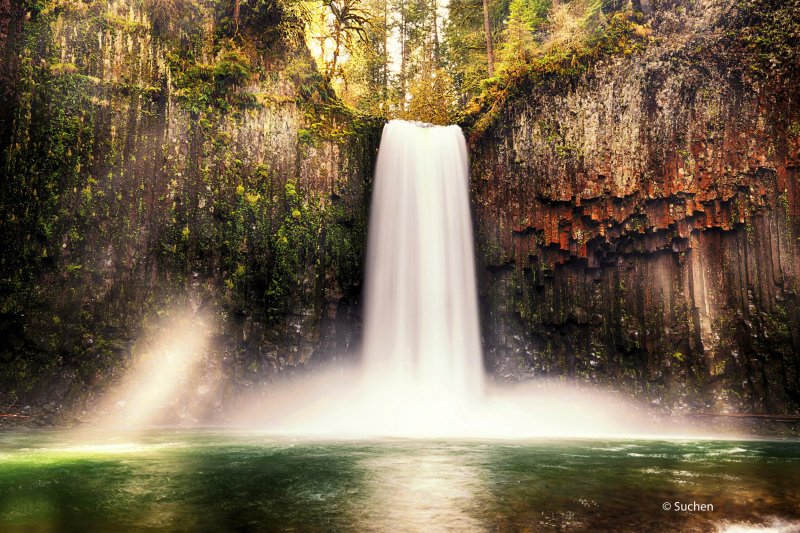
column 294, row 246
column 202, row 87
column 345, row 241
column 61, row 69
column 232, row 68
column 305, row 137
column 794, row 128
column 124, row 24
column 769, row 32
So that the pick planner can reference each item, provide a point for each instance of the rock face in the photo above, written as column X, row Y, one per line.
column 638, row 225
column 155, row 165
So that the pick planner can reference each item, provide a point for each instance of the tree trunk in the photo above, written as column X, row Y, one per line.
column 236, row 6
column 436, row 52
column 402, row 56
column 338, row 42
column 12, row 18
column 385, row 98
column 488, row 30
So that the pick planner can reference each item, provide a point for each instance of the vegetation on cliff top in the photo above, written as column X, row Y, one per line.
column 413, row 59
column 579, row 33
column 451, row 68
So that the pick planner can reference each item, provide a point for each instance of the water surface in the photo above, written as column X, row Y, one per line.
column 224, row 481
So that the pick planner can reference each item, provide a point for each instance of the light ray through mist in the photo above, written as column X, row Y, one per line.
column 161, row 370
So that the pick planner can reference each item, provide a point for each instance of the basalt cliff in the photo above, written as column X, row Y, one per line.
column 639, row 222
column 159, row 164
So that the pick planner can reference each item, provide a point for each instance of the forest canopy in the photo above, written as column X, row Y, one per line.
column 429, row 60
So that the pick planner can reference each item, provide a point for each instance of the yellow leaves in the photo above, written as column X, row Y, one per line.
column 240, row 190
column 265, row 99
column 63, row 69
column 430, row 97
column 640, row 30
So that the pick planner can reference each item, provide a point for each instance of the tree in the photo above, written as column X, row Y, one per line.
column 416, row 24
column 348, row 21
column 365, row 74
column 431, row 97
column 519, row 44
column 403, row 27
column 487, row 28
column 435, row 20
column 465, row 57
column 430, row 88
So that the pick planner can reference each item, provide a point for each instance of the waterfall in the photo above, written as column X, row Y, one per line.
column 421, row 328
column 421, row 370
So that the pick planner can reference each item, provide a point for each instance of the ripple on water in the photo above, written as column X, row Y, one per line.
column 395, row 485
column 772, row 525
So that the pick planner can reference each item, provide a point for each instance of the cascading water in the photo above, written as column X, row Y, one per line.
column 421, row 331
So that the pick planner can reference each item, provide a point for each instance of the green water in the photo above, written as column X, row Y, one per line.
column 220, row 481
